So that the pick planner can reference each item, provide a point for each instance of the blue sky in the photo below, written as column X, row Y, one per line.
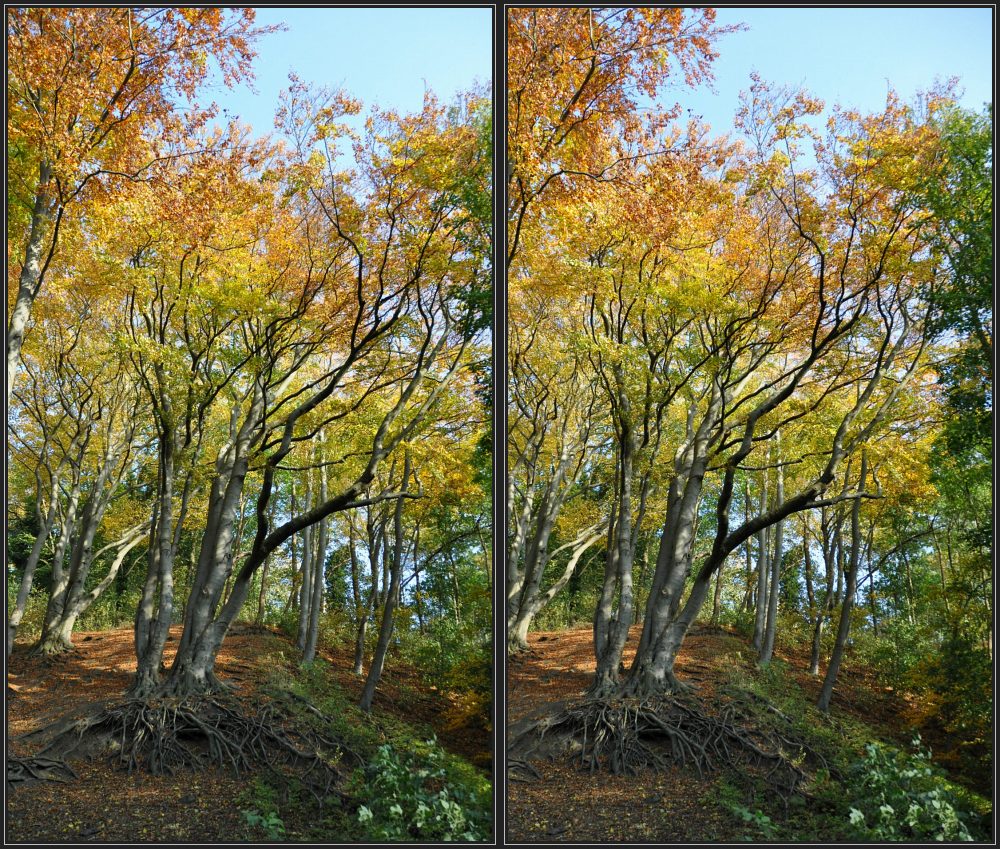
column 382, row 56
column 385, row 56
column 850, row 56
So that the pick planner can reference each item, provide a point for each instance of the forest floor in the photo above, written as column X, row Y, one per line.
column 568, row 804
column 108, row 805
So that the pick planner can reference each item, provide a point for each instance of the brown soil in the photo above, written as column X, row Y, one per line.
column 107, row 805
column 569, row 805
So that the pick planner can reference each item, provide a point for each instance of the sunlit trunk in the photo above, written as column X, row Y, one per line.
column 30, row 279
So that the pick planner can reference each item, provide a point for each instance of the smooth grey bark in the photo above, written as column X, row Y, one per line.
column 33, row 269
column 717, row 598
column 292, row 602
column 767, row 648
column 844, row 627
column 534, row 531
column 542, row 476
column 262, row 598
column 375, row 527
column 78, row 603
column 518, row 633
column 763, row 573
column 317, row 593
column 156, row 607
column 634, row 431
column 391, row 595
column 67, row 599
column 830, row 533
column 355, row 566
column 46, row 523
column 748, row 597
column 192, row 670
column 306, row 583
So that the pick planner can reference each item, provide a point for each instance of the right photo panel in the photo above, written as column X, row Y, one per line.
column 749, row 586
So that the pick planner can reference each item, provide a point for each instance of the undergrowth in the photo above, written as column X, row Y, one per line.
column 405, row 787
column 868, row 790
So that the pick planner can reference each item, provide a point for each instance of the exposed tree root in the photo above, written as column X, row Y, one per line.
column 515, row 649
column 52, row 652
column 520, row 770
column 164, row 735
column 628, row 734
column 27, row 769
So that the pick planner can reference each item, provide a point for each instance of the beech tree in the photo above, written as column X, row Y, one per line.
column 870, row 311
column 765, row 323
column 86, row 87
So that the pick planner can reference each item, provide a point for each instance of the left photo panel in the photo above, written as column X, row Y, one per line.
column 249, row 583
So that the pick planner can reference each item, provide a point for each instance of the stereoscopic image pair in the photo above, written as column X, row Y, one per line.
column 502, row 424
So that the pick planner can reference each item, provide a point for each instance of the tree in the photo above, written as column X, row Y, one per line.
column 847, row 270
column 87, row 90
column 379, row 263
column 575, row 78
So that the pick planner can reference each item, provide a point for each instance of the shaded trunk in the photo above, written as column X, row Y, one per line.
column 843, row 629
column 319, row 578
column 748, row 596
column 375, row 531
column 830, row 533
column 292, row 602
column 763, row 574
column 717, row 598
column 391, row 598
column 767, row 648
column 263, row 592
column 306, row 581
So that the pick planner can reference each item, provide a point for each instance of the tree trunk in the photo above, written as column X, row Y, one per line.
column 717, row 598
column 319, row 575
column 306, row 583
column 852, row 582
column 763, row 570
column 518, row 634
column 32, row 271
column 292, row 601
column 391, row 598
column 45, row 526
column 748, row 598
column 263, row 592
column 68, row 590
column 156, row 608
column 767, row 648
column 375, row 530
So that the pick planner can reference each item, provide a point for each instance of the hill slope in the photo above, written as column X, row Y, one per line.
column 565, row 803
column 108, row 805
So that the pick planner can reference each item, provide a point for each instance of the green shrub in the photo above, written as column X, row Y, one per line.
column 271, row 824
column 30, row 628
column 904, row 796
column 262, row 815
column 413, row 796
